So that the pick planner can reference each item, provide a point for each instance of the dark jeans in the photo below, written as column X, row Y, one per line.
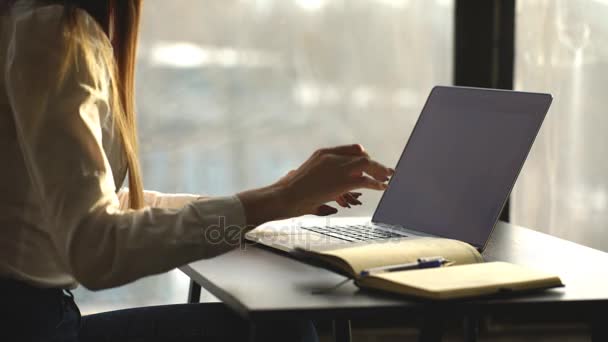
column 32, row 314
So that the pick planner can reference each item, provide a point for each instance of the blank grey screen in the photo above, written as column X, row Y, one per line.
column 461, row 162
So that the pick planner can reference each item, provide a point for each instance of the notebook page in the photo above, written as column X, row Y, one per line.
column 391, row 252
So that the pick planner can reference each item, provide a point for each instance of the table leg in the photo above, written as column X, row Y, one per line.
column 471, row 328
column 599, row 331
column 342, row 332
column 251, row 332
column 194, row 292
column 432, row 329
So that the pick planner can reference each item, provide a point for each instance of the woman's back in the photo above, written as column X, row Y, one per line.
column 29, row 37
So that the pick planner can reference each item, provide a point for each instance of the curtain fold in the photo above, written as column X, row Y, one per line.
column 562, row 48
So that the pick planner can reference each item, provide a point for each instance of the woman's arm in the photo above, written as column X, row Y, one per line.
column 155, row 199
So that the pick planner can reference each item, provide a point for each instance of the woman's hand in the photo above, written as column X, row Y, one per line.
column 330, row 174
column 344, row 200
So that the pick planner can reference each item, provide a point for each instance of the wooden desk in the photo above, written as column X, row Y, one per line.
column 263, row 285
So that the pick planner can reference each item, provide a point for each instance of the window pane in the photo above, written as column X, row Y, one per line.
column 562, row 48
column 234, row 94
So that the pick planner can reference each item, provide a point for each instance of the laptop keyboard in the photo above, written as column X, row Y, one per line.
column 354, row 233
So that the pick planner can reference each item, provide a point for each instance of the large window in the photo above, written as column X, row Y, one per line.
column 233, row 94
column 562, row 48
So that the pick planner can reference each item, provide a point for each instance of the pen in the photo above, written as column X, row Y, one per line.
column 428, row 262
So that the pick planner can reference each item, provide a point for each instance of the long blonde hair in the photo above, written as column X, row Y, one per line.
column 120, row 21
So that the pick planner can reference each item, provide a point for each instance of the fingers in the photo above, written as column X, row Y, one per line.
column 342, row 202
column 351, row 198
column 373, row 168
column 345, row 150
column 325, row 210
column 365, row 182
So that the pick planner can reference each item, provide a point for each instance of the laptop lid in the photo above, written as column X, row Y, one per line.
column 461, row 162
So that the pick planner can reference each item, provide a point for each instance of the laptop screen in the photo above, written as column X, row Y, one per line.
column 461, row 162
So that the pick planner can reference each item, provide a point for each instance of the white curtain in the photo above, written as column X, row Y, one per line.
column 562, row 48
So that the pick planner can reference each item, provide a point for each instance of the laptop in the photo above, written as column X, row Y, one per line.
column 453, row 178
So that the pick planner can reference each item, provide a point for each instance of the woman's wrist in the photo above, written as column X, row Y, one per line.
column 264, row 204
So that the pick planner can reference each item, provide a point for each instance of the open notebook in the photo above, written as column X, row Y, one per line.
column 466, row 276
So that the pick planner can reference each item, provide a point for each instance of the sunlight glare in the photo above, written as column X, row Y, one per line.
column 311, row 5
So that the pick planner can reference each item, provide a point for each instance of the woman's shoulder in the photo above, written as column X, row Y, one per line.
column 42, row 43
column 51, row 20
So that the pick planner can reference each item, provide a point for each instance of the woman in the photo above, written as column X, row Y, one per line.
column 68, row 140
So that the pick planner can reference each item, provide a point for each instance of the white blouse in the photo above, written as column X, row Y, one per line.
column 62, row 223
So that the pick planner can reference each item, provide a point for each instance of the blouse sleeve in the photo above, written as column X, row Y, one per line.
column 57, row 98
column 157, row 199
